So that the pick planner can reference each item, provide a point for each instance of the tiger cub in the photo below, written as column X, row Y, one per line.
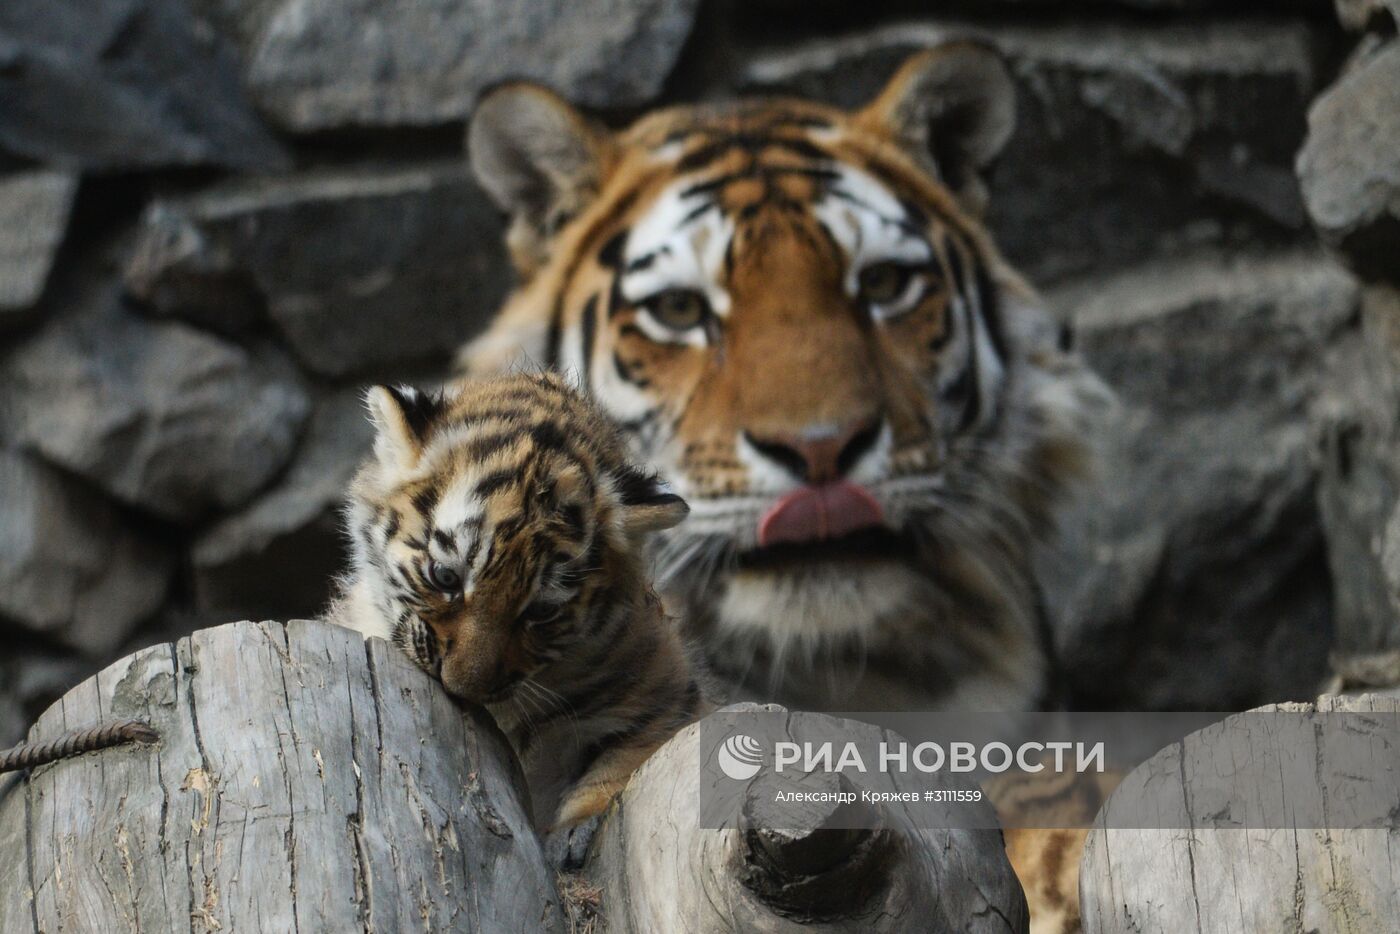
column 497, row 533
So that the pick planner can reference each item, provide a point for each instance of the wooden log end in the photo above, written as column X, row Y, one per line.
column 814, row 859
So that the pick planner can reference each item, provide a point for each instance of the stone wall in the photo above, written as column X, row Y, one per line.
column 219, row 218
column 1350, row 174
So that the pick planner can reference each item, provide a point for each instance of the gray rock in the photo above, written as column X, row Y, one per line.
column 159, row 415
column 70, row 567
column 116, row 84
column 317, row 64
column 1192, row 574
column 179, row 270
column 31, row 678
column 1359, row 488
column 12, row 719
column 240, row 18
column 34, row 209
column 356, row 269
column 280, row 553
column 1350, row 166
column 1127, row 136
column 1357, row 15
column 1013, row 7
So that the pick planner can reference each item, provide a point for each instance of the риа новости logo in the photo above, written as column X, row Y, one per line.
column 740, row 757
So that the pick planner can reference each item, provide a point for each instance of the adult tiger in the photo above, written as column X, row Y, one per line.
column 798, row 317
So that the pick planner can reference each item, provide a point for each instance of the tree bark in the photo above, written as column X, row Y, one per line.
column 305, row 780
column 1243, row 880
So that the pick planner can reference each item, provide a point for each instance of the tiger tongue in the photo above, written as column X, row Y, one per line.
column 814, row 513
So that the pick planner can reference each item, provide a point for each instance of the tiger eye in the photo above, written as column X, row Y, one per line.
column 443, row 577
column 679, row 309
column 541, row 612
column 883, row 283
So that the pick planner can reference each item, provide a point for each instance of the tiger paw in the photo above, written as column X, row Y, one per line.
column 587, row 800
column 565, row 848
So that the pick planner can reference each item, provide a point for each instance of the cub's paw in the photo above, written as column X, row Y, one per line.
column 588, row 799
column 566, row 847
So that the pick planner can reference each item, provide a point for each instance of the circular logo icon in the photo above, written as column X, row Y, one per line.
column 740, row 757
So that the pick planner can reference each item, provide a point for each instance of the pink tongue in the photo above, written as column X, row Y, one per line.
column 813, row 513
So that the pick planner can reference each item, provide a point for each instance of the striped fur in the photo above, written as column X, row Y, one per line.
column 497, row 536
column 967, row 417
column 764, row 217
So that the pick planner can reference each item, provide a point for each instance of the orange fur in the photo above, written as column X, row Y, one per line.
column 764, row 217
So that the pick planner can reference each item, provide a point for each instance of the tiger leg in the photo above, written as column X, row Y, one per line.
column 1047, row 863
column 603, row 781
column 1047, row 816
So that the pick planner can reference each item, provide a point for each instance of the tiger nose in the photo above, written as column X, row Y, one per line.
column 819, row 453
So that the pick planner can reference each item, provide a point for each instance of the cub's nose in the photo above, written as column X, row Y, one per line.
column 819, row 453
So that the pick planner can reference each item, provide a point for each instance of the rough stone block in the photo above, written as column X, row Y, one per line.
column 282, row 551
column 71, row 569
column 121, row 84
column 1128, row 136
column 159, row 415
column 1359, row 487
column 1350, row 166
column 1192, row 574
column 319, row 64
column 356, row 269
column 34, row 209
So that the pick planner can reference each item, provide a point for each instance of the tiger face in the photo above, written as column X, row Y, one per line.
column 489, row 523
column 796, row 316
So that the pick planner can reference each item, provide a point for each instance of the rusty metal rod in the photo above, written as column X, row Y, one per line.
column 75, row 743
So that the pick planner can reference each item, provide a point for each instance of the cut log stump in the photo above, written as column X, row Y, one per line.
column 304, row 780
column 659, row 871
column 1221, row 881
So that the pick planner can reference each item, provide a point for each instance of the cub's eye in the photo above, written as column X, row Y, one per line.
column 542, row 612
column 678, row 309
column 884, row 283
column 443, row 577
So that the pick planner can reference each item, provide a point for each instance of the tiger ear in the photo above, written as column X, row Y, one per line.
column 954, row 109
column 539, row 159
column 402, row 418
column 648, row 505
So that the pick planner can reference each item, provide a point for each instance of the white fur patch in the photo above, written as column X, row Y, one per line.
column 869, row 224
column 362, row 611
column 686, row 251
column 802, row 614
column 459, row 513
column 625, row 401
column 765, row 478
column 457, row 508
column 874, row 465
column 990, row 369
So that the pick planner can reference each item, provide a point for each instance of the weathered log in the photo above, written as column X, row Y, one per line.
column 305, row 780
column 657, row 869
column 1249, row 879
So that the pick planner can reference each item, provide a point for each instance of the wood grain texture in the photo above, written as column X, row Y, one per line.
column 305, row 781
column 1299, row 881
column 658, row 871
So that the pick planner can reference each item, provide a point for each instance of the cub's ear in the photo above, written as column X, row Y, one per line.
column 402, row 418
column 953, row 108
column 648, row 505
column 539, row 159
